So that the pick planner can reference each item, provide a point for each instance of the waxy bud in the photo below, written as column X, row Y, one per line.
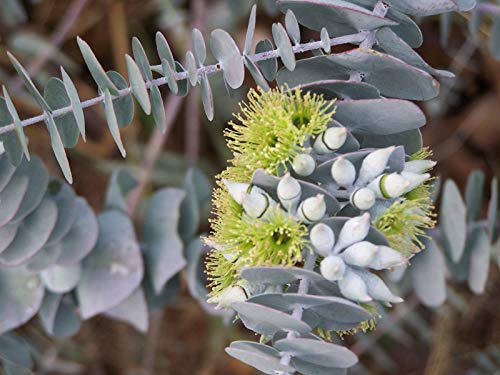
column 387, row 258
column 332, row 268
column 397, row 273
column 312, row 209
column 389, row 186
column 374, row 164
column 236, row 189
column 330, row 140
column 414, row 180
column 360, row 254
column 228, row 296
column 353, row 287
column 354, row 230
column 343, row 172
column 229, row 255
column 322, row 238
column 419, row 166
column 289, row 192
column 377, row 289
column 363, row 199
column 304, row 165
column 255, row 204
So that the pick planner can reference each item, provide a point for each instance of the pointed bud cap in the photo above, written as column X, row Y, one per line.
column 354, row 230
column 393, row 185
column 360, row 254
column 353, row 287
column 363, row 199
column 236, row 189
column 330, row 140
column 377, row 289
column 312, row 209
column 374, row 164
column 289, row 192
column 387, row 258
column 322, row 238
column 304, row 165
column 389, row 186
column 419, row 166
column 414, row 180
column 228, row 296
column 332, row 268
column 255, row 205
column 343, row 172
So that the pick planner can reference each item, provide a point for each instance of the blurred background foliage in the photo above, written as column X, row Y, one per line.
column 461, row 337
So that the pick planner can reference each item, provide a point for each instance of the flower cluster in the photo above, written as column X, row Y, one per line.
column 299, row 184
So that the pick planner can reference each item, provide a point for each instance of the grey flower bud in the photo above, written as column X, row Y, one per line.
column 387, row 258
column 216, row 246
column 363, row 199
column 354, row 230
column 228, row 296
column 332, row 268
column 289, row 192
column 304, row 165
column 374, row 164
column 322, row 238
column 414, row 180
column 389, row 186
column 419, row 166
column 360, row 254
column 330, row 140
column 343, row 172
column 397, row 273
column 377, row 289
column 236, row 189
column 312, row 209
column 353, row 287
column 255, row 205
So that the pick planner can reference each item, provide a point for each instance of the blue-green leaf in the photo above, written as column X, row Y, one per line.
column 21, row 293
column 228, row 55
column 95, row 68
column 75, row 102
column 163, row 246
column 114, row 269
column 453, row 221
column 138, row 85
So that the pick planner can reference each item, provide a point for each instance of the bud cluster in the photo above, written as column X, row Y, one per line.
column 372, row 182
column 296, row 187
column 348, row 257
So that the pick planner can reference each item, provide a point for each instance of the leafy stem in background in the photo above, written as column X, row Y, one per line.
column 208, row 70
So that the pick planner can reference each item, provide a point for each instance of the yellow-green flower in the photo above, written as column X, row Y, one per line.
column 272, row 128
column 269, row 133
column 404, row 223
column 277, row 239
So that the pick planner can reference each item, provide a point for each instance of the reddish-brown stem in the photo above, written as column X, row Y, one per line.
column 58, row 37
column 153, row 150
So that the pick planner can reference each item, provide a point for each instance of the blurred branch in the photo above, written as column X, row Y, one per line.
column 152, row 339
column 489, row 8
column 153, row 150
column 58, row 37
column 398, row 314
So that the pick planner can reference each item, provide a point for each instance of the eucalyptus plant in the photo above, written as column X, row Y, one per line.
column 329, row 184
